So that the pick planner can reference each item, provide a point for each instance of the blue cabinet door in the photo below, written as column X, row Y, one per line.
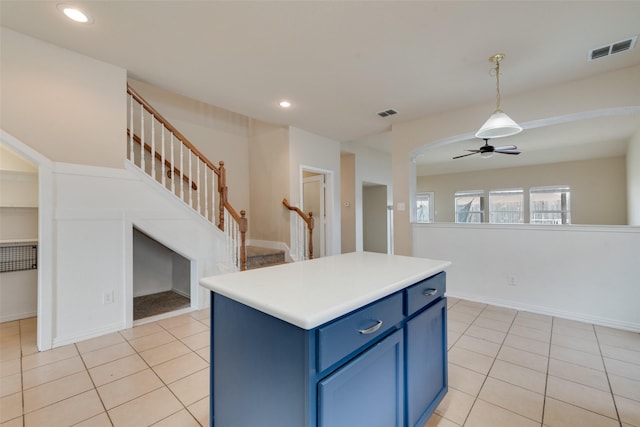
column 368, row 391
column 426, row 336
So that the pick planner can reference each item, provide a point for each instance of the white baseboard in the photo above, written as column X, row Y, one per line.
column 610, row 323
column 162, row 316
column 18, row 316
column 72, row 339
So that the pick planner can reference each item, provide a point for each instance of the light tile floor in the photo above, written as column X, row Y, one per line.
column 506, row 368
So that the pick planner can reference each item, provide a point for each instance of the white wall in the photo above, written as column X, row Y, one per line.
column 69, row 107
column 633, row 181
column 586, row 273
column 95, row 212
column 157, row 268
column 320, row 154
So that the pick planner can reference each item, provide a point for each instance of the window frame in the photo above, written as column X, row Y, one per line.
column 518, row 212
column 470, row 213
column 430, row 197
column 565, row 205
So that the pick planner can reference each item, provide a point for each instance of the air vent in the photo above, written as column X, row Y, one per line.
column 387, row 113
column 612, row 48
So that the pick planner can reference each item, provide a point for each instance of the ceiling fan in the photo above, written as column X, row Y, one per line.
column 487, row 150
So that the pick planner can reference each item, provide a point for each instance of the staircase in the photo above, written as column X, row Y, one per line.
column 258, row 257
column 160, row 151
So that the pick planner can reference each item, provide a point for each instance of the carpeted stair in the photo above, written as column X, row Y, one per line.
column 258, row 257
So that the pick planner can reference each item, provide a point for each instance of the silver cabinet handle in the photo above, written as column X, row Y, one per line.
column 371, row 329
column 430, row 292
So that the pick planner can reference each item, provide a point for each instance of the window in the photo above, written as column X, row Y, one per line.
column 425, row 207
column 469, row 206
column 506, row 206
column 550, row 205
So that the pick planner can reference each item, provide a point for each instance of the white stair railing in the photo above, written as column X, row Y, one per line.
column 301, row 233
column 202, row 186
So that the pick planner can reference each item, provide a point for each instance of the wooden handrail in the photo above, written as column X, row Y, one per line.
column 172, row 169
column 170, row 127
column 310, row 220
column 220, row 171
column 243, row 226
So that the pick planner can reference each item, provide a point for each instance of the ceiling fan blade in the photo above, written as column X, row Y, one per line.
column 506, row 147
column 465, row 155
column 515, row 152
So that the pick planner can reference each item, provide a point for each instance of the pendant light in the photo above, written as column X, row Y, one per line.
column 498, row 124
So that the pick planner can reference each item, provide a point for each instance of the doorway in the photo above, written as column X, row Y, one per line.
column 314, row 199
column 161, row 278
column 375, row 221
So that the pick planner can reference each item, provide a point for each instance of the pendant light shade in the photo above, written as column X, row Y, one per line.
column 498, row 124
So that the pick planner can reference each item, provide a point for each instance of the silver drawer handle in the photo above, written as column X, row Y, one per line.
column 371, row 329
column 430, row 292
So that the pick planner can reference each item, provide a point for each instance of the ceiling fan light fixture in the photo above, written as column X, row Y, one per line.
column 498, row 125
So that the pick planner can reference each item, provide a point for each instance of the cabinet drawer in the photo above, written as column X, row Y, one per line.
column 423, row 293
column 346, row 335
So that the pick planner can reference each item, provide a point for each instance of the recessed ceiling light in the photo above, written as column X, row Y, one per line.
column 75, row 14
column 285, row 104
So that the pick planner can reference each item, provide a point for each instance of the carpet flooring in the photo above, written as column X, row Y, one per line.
column 154, row 304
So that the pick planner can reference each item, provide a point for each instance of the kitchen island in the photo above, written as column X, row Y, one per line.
column 351, row 340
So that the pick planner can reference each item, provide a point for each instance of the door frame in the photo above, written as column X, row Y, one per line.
column 329, row 205
column 320, row 225
column 45, row 319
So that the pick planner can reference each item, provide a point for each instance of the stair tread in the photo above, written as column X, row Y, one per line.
column 260, row 251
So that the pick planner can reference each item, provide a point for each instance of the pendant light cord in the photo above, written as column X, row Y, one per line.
column 497, row 72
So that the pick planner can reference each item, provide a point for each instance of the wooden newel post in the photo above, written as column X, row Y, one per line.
column 310, row 225
column 222, row 187
column 243, row 247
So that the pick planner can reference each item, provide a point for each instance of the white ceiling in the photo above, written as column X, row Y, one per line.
column 340, row 62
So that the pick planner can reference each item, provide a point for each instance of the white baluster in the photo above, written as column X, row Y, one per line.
column 173, row 177
column 206, row 193
column 164, row 175
column 142, row 138
column 131, row 128
column 181, row 172
column 153, row 147
column 198, row 183
column 190, row 175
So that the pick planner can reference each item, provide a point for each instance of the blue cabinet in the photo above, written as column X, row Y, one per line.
column 368, row 391
column 383, row 365
column 426, row 362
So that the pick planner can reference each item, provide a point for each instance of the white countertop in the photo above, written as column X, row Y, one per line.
column 310, row 293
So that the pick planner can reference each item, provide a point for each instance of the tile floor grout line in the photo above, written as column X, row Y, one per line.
column 606, row 373
column 475, row 399
column 488, row 372
column 95, row 388
column 164, row 384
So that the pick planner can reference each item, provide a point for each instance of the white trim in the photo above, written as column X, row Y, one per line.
column 537, row 227
column 634, row 327
column 163, row 316
column 18, row 316
column 46, row 254
column 71, row 339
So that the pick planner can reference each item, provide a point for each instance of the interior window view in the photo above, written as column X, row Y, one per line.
column 319, row 214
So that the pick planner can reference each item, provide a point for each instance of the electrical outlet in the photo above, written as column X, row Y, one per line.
column 512, row 280
column 107, row 297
